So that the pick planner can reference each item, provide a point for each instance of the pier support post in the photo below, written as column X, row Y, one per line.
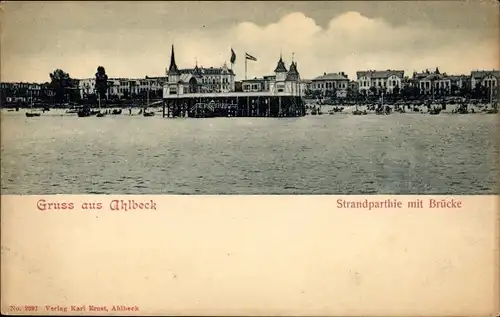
column 279, row 106
column 268, row 107
column 248, row 106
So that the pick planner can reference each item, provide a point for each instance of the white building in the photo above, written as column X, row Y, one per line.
column 213, row 81
column 287, row 81
column 386, row 80
column 198, row 79
column 485, row 78
column 124, row 87
column 439, row 83
column 331, row 82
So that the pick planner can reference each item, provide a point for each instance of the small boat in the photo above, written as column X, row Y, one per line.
column 117, row 111
column 356, row 111
column 100, row 115
column 434, row 111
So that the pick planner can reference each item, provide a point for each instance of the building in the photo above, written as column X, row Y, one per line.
column 353, row 85
column 485, row 78
column 286, row 81
column 382, row 80
column 198, row 79
column 331, row 84
column 120, row 88
column 20, row 92
column 283, row 80
column 257, row 84
column 278, row 95
column 438, row 83
column 307, row 84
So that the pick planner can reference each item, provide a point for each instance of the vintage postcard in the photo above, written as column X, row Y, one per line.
column 336, row 158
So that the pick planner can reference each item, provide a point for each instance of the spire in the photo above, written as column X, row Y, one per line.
column 280, row 68
column 293, row 74
column 172, row 70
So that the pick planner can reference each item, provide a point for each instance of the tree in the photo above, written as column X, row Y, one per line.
column 478, row 91
column 373, row 90
column 395, row 90
column 60, row 81
column 101, row 82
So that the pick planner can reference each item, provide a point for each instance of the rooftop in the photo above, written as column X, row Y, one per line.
column 380, row 73
column 332, row 76
column 484, row 73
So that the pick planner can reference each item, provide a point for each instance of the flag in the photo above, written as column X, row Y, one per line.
column 250, row 57
column 233, row 57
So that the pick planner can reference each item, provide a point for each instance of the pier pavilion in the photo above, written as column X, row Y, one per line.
column 184, row 96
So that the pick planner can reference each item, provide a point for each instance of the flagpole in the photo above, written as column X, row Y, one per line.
column 246, row 65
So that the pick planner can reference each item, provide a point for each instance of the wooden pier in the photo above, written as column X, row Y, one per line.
column 233, row 104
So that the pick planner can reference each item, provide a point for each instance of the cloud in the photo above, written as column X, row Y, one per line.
column 348, row 42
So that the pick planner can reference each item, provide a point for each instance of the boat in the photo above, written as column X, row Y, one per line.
column 30, row 113
column 84, row 112
column 462, row 109
column 116, row 111
column 356, row 111
column 434, row 111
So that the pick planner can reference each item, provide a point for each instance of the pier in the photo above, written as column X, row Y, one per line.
column 233, row 104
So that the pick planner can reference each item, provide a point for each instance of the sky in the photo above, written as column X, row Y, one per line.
column 134, row 39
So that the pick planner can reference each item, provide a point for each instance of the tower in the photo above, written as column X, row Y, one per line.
column 293, row 73
column 280, row 70
column 173, row 71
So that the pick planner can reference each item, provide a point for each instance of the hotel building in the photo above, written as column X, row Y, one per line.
column 331, row 82
column 382, row 80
